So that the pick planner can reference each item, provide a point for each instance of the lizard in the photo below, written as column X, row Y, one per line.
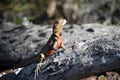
column 51, row 47
column 53, row 44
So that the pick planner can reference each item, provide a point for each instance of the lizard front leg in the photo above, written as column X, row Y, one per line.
column 39, row 65
column 58, row 44
column 55, row 46
column 63, row 46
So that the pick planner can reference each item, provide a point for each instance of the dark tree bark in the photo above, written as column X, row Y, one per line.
column 80, row 59
column 93, row 57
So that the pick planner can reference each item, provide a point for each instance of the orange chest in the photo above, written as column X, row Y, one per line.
column 59, row 42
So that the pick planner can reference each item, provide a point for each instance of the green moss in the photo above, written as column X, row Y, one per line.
column 32, row 17
column 19, row 21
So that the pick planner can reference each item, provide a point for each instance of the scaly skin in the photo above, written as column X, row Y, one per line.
column 56, row 40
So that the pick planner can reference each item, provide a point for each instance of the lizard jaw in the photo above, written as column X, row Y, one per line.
column 64, row 21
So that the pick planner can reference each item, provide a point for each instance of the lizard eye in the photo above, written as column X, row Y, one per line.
column 56, row 22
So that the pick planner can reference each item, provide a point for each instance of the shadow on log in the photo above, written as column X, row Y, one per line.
column 81, row 60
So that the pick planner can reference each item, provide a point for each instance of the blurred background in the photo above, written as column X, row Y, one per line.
column 75, row 11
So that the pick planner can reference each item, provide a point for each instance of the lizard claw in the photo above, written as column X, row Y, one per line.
column 39, row 65
column 37, row 70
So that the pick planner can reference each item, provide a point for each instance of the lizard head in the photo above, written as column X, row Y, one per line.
column 58, row 26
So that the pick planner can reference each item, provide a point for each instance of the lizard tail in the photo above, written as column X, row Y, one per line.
column 26, row 62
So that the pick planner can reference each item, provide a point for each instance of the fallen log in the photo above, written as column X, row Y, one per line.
column 84, row 59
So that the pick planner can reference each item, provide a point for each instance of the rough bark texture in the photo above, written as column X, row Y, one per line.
column 87, row 53
column 93, row 57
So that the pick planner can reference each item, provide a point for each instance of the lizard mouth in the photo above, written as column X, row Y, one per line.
column 64, row 21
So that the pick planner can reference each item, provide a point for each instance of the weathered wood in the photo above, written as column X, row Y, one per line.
column 93, row 57
column 81, row 58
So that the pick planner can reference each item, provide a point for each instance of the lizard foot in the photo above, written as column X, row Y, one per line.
column 39, row 65
column 37, row 70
